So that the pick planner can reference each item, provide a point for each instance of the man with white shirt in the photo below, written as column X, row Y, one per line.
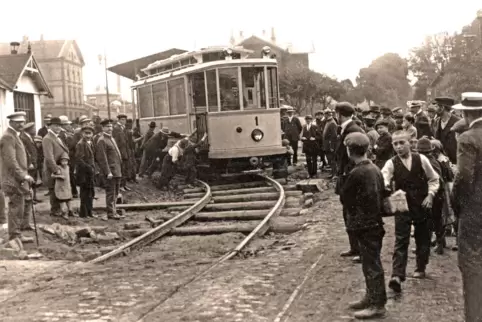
column 413, row 174
column 170, row 163
column 15, row 178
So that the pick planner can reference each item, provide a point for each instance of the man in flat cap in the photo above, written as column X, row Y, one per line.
column 120, row 138
column 45, row 129
column 16, row 181
column 109, row 159
column 292, row 129
column 398, row 118
column 320, row 122
column 467, row 203
column 345, row 112
column 386, row 113
column 374, row 112
column 310, row 145
column 422, row 122
column 86, row 170
column 53, row 148
column 442, row 126
column 362, row 196
column 27, row 137
column 83, row 122
column 413, row 174
column 330, row 140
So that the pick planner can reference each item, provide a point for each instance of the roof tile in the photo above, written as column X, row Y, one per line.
column 11, row 66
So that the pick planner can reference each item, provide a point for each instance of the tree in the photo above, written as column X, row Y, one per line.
column 351, row 93
column 385, row 80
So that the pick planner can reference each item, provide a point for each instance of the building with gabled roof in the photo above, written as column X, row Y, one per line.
column 22, row 86
column 61, row 63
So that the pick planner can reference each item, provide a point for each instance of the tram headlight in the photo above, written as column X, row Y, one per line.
column 257, row 135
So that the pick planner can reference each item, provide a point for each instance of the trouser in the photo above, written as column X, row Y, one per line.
column 54, row 202
column 156, row 164
column 294, row 146
column 3, row 214
column 168, row 171
column 354, row 247
column 311, row 162
column 330, row 157
column 437, row 224
column 370, row 243
column 125, row 173
column 321, row 153
column 19, row 211
column 403, row 224
column 111, row 192
column 73, row 181
column 147, row 159
column 191, row 174
column 86, row 200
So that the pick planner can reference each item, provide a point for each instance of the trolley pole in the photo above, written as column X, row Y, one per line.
column 106, row 83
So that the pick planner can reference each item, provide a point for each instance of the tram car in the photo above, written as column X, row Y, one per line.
column 221, row 92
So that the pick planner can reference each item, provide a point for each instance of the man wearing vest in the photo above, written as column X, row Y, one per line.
column 412, row 173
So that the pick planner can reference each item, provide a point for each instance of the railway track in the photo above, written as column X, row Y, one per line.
column 246, row 207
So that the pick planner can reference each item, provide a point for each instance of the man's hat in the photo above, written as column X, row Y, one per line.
column 84, row 119
column 104, row 122
column 55, row 121
column 445, row 101
column 47, row 117
column 319, row 113
column 87, row 128
column 365, row 113
column 121, row 116
column 64, row 120
column 64, row 156
column 385, row 110
column 327, row 111
column 382, row 122
column 344, row 107
column 152, row 124
column 415, row 104
column 130, row 121
column 37, row 138
column 289, row 109
column 424, row 145
column 431, row 108
column 308, row 117
column 374, row 109
column 17, row 117
column 357, row 139
column 369, row 121
column 471, row 101
column 165, row 130
column 437, row 144
column 28, row 126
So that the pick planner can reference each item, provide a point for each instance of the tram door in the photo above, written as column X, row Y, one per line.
column 199, row 108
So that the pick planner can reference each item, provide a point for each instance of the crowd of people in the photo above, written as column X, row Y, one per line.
column 423, row 168
column 72, row 158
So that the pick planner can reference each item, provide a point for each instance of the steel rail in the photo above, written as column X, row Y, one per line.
column 159, row 231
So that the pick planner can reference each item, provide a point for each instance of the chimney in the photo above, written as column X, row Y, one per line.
column 14, row 47
column 24, row 40
column 273, row 36
column 41, row 37
column 264, row 33
column 118, row 84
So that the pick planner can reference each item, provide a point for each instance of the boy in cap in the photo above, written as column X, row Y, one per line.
column 413, row 174
column 422, row 122
column 86, row 170
column 383, row 148
column 362, row 196
column 398, row 118
column 408, row 125
column 372, row 135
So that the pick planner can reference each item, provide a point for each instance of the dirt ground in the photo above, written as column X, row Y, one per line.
column 157, row 283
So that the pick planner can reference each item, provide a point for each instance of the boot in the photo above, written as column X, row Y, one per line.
column 359, row 305
column 371, row 312
column 439, row 249
column 419, row 274
column 395, row 284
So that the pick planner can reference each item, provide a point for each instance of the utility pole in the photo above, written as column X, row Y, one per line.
column 106, row 82
column 479, row 18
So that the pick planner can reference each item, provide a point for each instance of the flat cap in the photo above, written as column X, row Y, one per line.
column 397, row 110
column 374, row 108
column 87, row 128
column 445, row 101
column 431, row 108
column 382, row 122
column 121, row 116
column 416, row 104
column 55, row 121
column 308, row 117
column 28, row 125
column 17, row 117
column 424, row 145
column 84, row 119
column 357, row 139
column 327, row 111
column 104, row 122
column 385, row 110
column 47, row 117
column 345, row 107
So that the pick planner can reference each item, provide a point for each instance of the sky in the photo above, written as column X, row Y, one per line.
column 347, row 35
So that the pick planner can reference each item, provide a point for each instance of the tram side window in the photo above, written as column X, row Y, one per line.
column 145, row 102
column 177, row 98
column 198, row 90
column 273, row 87
column 212, row 90
column 161, row 103
column 229, row 89
column 254, row 92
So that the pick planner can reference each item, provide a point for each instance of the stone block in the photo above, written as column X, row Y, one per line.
column 132, row 225
column 304, row 212
column 308, row 203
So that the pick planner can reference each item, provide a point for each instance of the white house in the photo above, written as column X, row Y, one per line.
column 21, row 84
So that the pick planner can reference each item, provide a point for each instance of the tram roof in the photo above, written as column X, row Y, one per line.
column 131, row 68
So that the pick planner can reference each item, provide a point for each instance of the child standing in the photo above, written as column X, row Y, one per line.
column 63, row 190
column 383, row 148
column 362, row 196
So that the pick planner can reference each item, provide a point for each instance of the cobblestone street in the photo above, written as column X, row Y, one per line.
column 252, row 289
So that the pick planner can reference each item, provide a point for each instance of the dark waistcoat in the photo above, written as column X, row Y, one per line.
column 413, row 182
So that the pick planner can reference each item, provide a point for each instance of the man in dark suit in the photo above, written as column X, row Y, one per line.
column 345, row 111
column 44, row 129
column 292, row 129
column 86, row 170
column 330, row 140
column 442, row 127
column 320, row 122
column 110, row 163
column 15, row 177
column 78, row 133
column 310, row 145
column 386, row 113
column 422, row 122
column 53, row 149
column 120, row 138
column 27, row 137
column 467, row 204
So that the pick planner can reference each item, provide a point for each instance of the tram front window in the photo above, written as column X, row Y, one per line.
column 254, row 91
column 229, row 89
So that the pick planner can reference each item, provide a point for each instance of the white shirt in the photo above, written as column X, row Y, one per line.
column 175, row 152
column 344, row 125
column 433, row 177
column 475, row 121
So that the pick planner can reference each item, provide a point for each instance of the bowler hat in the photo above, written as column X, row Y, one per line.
column 165, row 130
column 374, row 109
column 344, row 108
column 152, row 124
column 104, row 122
column 424, row 145
column 55, row 121
column 357, row 139
column 308, row 117
column 385, row 110
column 470, row 101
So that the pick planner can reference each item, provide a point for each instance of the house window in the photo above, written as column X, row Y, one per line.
column 24, row 102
